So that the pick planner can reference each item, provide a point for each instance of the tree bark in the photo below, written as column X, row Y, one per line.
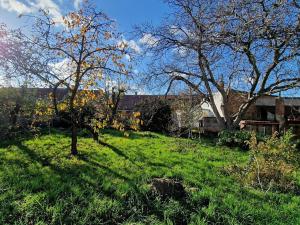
column 212, row 103
column 74, row 126
column 54, row 100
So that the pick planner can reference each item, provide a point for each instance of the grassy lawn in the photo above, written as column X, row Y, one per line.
column 41, row 184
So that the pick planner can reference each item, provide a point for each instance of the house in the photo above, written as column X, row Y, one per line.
column 266, row 115
column 273, row 113
column 186, row 108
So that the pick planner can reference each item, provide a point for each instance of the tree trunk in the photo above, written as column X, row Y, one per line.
column 54, row 100
column 74, row 131
column 242, row 110
column 212, row 103
column 74, row 124
column 14, row 114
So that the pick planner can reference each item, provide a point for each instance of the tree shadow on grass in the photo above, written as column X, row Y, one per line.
column 76, row 185
column 77, row 181
column 142, row 157
column 131, row 134
column 4, row 143
column 89, row 178
column 80, row 174
column 107, row 170
column 10, row 142
column 114, row 149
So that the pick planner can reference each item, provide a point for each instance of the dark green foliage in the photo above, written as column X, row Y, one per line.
column 109, row 184
column 234, row 139
column 156, row 115
column 297, row 144
column 17, row 107
column 84, row 115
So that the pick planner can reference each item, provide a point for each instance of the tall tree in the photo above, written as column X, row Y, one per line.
column 75, row 54
column 216, row 46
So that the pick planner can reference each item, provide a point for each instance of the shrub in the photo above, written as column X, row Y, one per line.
column 297, row 143
column 273, row 164
column 155, row 115
column 16, row 111
column 234, row 139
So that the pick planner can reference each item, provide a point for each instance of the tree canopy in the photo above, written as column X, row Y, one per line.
column 217, row 46
column 76, row 54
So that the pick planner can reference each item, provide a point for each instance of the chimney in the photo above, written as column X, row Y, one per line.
column 136, row 93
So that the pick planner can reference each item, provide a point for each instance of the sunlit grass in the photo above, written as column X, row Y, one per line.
column 41, row 184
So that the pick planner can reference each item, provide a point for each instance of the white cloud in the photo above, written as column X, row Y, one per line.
column 130, row 87
column 15, row 6
column 134, row 46
column 175, row 30
column 148, row 39
column 118, row 84
column 136, row 89
column 131, row 44
column 182, row 32
column 32, row 6
column 109, row 84
column 51, row 7
column 182, row 51
column 63, row 69
column 128, row 57
column 77, row 3
column 176, row 74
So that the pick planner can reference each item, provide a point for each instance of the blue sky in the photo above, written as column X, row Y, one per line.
column 127, row 13
column 131, row 12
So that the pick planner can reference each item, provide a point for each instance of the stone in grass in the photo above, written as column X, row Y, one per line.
column 168, row 188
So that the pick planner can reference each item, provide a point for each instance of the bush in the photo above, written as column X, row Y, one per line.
column 16, row 111
column 155, row 115
column 234, row 139
column 273, row 164
column 297, row 143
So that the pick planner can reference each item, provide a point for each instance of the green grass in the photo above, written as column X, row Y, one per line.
column 41, row 184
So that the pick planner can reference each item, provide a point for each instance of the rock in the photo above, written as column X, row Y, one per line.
column 168, row 188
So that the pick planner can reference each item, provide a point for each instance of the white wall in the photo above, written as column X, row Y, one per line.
column 218, row 101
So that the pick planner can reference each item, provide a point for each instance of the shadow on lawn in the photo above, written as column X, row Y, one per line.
column 39, row 172
column 113, row 148
column 4, row 143
column 63, row 182
column 81, row 175
column 131, row 134
column 142, row 157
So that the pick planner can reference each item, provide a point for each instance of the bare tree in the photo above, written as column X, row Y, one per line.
column 217, row 46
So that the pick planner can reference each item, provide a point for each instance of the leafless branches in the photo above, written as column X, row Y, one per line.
column 222, row 45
